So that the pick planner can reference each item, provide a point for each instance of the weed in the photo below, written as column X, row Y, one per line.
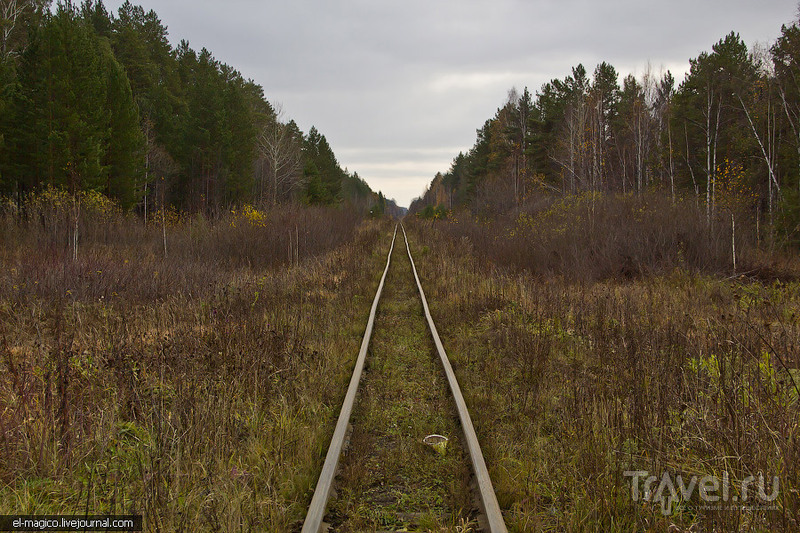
column 198, row 389
column 572, row 382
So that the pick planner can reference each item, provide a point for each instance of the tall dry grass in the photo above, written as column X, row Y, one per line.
column 572, row 381
column 198, row 387
column 596, row 236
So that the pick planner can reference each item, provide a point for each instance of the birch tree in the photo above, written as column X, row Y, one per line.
column 570, row 147
column 757, row 105
column 279, row 148
column 709, row 107
column 13, row 30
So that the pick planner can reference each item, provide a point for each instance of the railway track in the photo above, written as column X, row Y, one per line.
column 490, row 519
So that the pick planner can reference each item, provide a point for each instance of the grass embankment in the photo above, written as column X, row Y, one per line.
column 390, row 479
column 199, row 389
column 571, row 384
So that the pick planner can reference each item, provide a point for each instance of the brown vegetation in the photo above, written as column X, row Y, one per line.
column 575, row 378
column 595, row 236
column 188, row 386
column 591, row 336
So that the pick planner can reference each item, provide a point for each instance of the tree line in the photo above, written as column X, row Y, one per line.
column 95, row 101
column 729, row 133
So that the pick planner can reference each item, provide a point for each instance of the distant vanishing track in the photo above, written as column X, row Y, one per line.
column 490, row 508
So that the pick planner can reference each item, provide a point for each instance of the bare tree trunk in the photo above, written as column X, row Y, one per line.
column 10, row 11
column 572, row 157
column 597, row 146
column 624, row 164
column 709, row 171
column 279, row 148
column 758, row 226
column 274, row 186
column 639, row 152
column 733, row 240
column 516, row 180
column 765, row 155
column 714, row 161
column 76, row 203
column 164, row 229
column 523, row 149
column 689, row 165
column 671, row 163
column 163, row 217
column 146, row 126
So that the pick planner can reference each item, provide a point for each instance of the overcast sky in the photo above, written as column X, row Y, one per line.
column 399, row 88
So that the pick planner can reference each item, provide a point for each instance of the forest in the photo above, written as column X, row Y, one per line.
column 92, row 101
column 726, row 139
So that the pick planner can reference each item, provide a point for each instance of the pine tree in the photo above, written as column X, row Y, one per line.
column 73, row 105
column 322, row 171
column 124, row 157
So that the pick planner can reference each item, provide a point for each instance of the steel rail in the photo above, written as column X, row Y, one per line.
column 319, row 502
column 488, row 498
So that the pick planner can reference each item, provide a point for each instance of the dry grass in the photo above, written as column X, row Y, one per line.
column 572, row 383
column 189, row 388
column 594, row 236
